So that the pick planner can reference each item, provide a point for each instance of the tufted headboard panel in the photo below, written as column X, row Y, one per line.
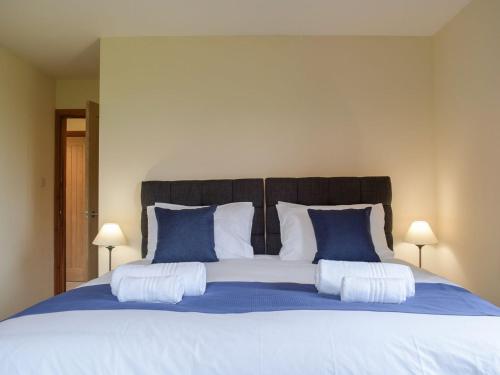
column 204, row 193
column 324, row 191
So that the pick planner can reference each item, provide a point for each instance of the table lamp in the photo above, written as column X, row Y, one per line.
column 110, row 236
column 420, row 234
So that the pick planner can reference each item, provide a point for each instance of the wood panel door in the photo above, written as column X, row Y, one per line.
column 92, row 184
column 76, row 233
column 61, row 117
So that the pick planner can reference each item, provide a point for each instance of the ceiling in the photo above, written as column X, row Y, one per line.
column 62, row 36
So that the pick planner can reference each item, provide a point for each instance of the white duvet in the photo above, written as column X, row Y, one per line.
column 287, row 342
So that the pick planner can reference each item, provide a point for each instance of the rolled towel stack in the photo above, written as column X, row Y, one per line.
column 373, row 290
column 330, row 274
column 191, row 275
column 169, row 289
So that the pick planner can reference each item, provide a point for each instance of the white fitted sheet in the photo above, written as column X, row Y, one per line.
column 270, row 268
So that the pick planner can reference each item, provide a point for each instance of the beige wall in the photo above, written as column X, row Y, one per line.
column 26, row 184
column 74, row 93
column 195, row 108
column 467, row 93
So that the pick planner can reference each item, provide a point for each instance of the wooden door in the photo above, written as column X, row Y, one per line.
column 92, row 184
column 76, row 233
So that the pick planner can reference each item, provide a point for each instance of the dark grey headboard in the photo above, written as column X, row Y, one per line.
column 324, row 191
column 203, row 193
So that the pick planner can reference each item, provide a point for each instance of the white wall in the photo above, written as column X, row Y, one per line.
column 467, row 92
column 227, row 107
column 74, row 93
column 27, row 99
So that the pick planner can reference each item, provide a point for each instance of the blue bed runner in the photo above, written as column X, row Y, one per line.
column 245, row 297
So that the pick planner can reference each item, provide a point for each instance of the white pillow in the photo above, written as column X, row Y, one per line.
column 297, row 232
column 232, row 229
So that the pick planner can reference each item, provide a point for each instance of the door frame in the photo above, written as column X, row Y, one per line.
column 60, row 195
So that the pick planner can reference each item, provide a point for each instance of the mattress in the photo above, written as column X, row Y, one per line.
column 273, row 342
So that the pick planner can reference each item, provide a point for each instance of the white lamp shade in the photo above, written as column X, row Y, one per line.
column 420, row 233
column 110, row 235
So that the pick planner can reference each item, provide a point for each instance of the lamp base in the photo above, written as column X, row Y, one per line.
column 110, row 248
column 420, row 255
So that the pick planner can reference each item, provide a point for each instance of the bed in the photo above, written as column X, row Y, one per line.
column 94, row 339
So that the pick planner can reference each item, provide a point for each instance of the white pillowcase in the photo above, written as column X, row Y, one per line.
column 232, row 229
column 297, row 233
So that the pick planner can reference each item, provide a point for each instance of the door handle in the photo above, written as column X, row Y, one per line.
column 91, row 214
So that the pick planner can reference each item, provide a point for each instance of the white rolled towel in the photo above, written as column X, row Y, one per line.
column 364, row 289
column 329, row 274
column 169, row 289
column 193, row 275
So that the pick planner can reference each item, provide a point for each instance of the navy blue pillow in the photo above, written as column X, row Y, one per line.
column 343, row 235
column 185, row 235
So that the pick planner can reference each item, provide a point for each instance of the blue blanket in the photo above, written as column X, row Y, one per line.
column 244, row 297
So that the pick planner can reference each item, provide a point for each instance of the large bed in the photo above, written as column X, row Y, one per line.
column 97, row 340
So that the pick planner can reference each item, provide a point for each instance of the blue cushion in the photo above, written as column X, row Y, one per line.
column 185, row 235
column 343, row 235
